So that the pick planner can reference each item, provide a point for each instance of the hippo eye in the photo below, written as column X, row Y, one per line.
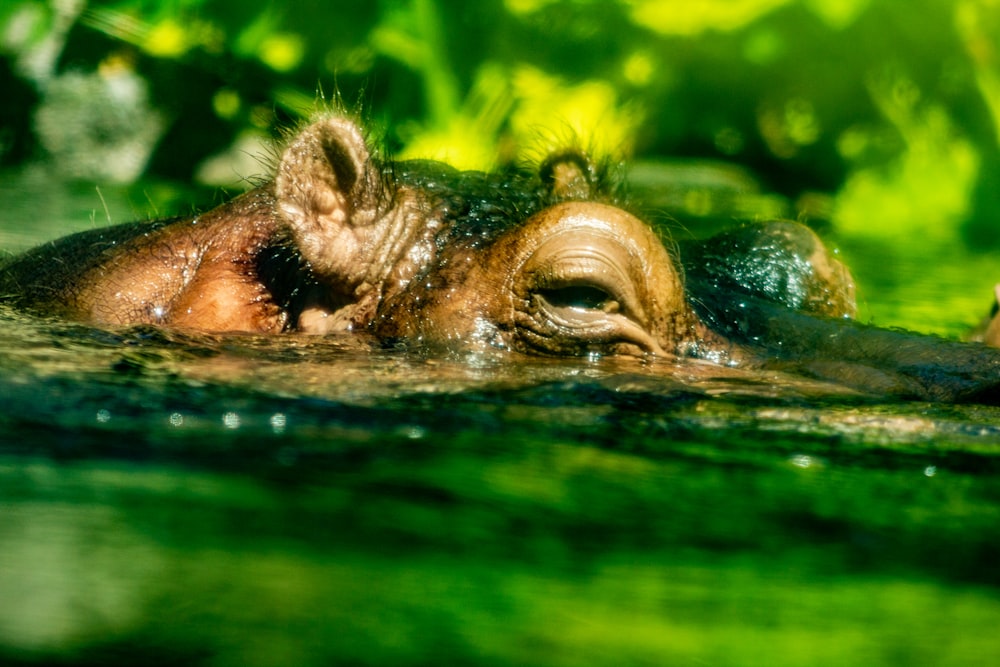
column 586, row 297
column 582, row 291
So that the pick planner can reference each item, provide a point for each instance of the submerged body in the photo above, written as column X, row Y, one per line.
column 534, row 263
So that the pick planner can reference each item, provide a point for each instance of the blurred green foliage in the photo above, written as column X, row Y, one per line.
column 880, row 116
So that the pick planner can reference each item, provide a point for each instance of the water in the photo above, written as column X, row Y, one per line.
column 224, row 500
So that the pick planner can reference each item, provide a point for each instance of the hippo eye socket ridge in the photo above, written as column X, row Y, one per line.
column 584, row 297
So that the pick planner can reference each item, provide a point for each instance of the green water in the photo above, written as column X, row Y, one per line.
column 232, row 500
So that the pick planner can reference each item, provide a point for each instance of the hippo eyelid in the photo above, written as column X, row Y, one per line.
column 585, row 276
column 582, row 296
column 580, row 292
column 554, row 328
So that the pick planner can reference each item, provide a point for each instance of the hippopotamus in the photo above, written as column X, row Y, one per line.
column 547, row 261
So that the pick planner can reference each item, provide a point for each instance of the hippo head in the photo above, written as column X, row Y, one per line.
column 539, row 262
column 419, row 252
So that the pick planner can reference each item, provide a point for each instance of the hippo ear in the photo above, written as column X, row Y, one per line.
column 327, row 183
column 568, row 175
column 326, row 174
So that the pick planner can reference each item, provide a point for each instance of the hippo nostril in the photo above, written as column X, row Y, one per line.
column 584, row 297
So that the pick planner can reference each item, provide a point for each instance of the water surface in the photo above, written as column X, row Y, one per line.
column 237, row 500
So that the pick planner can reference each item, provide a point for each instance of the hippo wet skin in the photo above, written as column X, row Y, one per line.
column 538, row 263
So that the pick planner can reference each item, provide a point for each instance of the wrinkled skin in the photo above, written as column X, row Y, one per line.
column 418, row 252
column 411, row 251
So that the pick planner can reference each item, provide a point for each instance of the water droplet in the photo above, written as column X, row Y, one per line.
column 278, row 422
column 802, row 461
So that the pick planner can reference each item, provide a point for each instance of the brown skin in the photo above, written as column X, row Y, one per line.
column 530, row 290
column 418, row 252
column 372, row 247
column 369, row 257
column 191, row 273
